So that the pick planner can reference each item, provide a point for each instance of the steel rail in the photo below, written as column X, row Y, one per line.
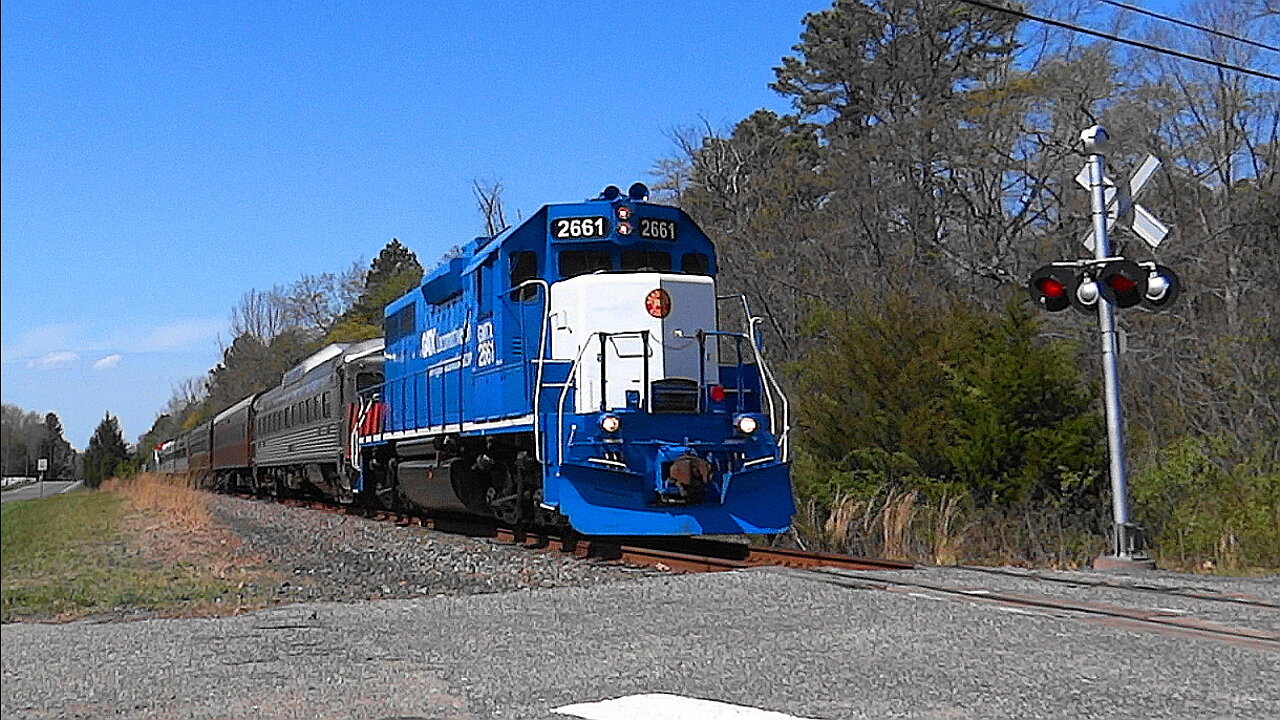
column 1233, row 598
column 1162, row 621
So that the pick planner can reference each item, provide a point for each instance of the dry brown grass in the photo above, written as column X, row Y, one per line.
column 172, row 503
column 172, row 525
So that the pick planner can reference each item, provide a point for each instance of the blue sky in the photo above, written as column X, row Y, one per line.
column 160, row 159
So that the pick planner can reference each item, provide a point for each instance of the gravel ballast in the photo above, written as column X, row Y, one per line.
column 324, row 556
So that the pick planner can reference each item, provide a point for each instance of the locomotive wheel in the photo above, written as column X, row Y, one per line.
column 511, row 492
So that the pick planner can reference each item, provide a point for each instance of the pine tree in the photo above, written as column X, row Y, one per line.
column 393, row 273
column 56, row 448
column 106, row 450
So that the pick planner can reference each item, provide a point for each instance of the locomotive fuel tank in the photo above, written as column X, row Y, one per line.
column 443, row 484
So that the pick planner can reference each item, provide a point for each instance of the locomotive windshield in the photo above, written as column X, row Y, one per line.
column 584, row 262
column 648, row 260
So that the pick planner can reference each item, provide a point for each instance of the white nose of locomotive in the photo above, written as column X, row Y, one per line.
column 616, row 324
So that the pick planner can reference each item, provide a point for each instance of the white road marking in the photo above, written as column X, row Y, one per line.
column 661, row 706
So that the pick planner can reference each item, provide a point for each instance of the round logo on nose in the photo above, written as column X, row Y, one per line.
column 658, row 303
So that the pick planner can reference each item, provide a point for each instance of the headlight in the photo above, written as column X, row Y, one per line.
column 746, row 424
column 610, row 423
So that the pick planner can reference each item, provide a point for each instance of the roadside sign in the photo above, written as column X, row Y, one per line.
column 42, row 465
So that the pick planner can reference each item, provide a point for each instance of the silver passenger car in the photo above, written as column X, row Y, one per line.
column 302, row 433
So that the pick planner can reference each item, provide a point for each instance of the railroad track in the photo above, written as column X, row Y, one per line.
column 1161, row 620
column 681, row 555
column 699, row 555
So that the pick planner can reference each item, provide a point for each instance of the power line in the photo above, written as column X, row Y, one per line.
column 1184, row 23
column 1126, row 41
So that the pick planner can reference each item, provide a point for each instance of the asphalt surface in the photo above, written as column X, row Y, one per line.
column 38, row 490
column 783, row 641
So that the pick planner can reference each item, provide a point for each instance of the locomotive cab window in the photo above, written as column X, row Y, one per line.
column 651, row 260
column 524, row 266
column 584, row 262
column 399, row 324
column 485, row 286
column 695, row 264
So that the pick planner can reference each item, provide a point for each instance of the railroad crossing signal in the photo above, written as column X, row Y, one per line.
column 1116, row 282
column 1122, row 282
column 1122, row 210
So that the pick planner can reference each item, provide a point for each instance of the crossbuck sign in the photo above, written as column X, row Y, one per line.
column 1122, row 210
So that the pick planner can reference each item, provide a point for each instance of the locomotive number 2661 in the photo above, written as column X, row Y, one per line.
column 655, row 229
column 579, row 227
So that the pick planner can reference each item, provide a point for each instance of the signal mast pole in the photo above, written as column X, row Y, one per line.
column 1125, row 549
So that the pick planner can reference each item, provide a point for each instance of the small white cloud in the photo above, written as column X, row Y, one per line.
column 107, row 362
column 54, row 359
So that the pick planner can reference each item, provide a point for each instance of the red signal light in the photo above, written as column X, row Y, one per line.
column 1124, row 282
column 717, row 393
column 1121, row 284
column 1051, row 288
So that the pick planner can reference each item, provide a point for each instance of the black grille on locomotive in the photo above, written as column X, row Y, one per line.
column 674, row 395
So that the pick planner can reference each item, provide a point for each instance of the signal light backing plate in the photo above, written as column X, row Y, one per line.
column 1123, row 282
column 1052, row 287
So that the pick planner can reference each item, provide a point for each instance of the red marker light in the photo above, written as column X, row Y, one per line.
column 658, row 303
column 624, row 212
column 717, row 393
column 1051, row 288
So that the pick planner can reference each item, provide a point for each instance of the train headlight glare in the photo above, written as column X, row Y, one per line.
column 610, row 423
column 746, row 424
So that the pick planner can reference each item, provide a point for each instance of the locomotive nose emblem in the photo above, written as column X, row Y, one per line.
column 658, row 303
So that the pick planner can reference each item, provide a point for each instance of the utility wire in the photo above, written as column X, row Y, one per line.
column 1184, row 23
column 1126, row 41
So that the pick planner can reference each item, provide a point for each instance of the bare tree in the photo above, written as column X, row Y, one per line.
column 261, row 314
column 489, row 203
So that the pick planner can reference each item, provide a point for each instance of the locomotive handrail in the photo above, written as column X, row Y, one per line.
column 542, row 354
column 784, row 441
column 768, row 382
column 644, row 335
column 564, row 391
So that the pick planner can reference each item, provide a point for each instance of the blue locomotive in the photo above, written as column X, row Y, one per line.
column 572, row 369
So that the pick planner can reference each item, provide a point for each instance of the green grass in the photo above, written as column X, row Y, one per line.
column 67, row 556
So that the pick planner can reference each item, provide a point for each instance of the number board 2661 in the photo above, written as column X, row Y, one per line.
column 579, row 228
column 657, row 229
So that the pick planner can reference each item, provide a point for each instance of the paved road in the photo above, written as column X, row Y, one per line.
column 52, row 487
column 779, row 641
